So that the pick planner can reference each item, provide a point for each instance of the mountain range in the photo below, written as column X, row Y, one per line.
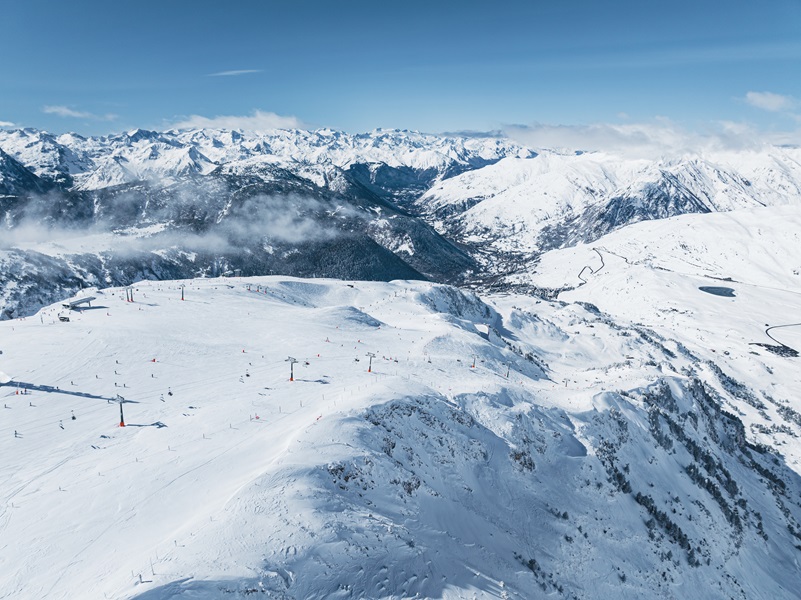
column 382, row 205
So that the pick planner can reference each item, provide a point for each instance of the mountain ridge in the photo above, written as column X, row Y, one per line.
column 464, row 210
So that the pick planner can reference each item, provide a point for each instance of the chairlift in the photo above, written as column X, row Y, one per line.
column 64, row 318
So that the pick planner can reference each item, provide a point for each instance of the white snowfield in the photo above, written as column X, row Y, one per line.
column 513, row 448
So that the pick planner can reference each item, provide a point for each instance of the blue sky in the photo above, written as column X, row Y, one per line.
column 96, row 66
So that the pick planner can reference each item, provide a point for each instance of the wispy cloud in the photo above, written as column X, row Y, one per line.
column 234, row 73
column 257, row 121
column 770, row 101
column 66, row 111
column 660, row 138
column 7, row 124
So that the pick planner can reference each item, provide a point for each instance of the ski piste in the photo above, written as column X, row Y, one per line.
column 496, row 446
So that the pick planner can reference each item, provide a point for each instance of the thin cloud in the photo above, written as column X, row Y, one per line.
column 630, row 139
column 661, row 138
column 259, row 120
column 7, row 124
column 472, row 133
column 234, row 73
column 65, row 111
column 770, row 101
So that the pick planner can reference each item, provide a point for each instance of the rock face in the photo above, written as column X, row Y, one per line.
column 16, row 180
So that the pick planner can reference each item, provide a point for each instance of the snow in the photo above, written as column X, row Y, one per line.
column 424, row 477
column 98, row 162
column 758, row 247
column 633, row 436
column 652, row 273
column 511, row 202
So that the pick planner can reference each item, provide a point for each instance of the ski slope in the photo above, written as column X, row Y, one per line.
column 499, row 448
column 655, row 273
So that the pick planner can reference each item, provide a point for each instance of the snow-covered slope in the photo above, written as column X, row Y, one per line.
column 524, row 206
column 726, row 286
column 500, row 448
column 757, row 247
column 15, row 179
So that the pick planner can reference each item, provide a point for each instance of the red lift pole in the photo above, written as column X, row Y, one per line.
column 370, row 366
